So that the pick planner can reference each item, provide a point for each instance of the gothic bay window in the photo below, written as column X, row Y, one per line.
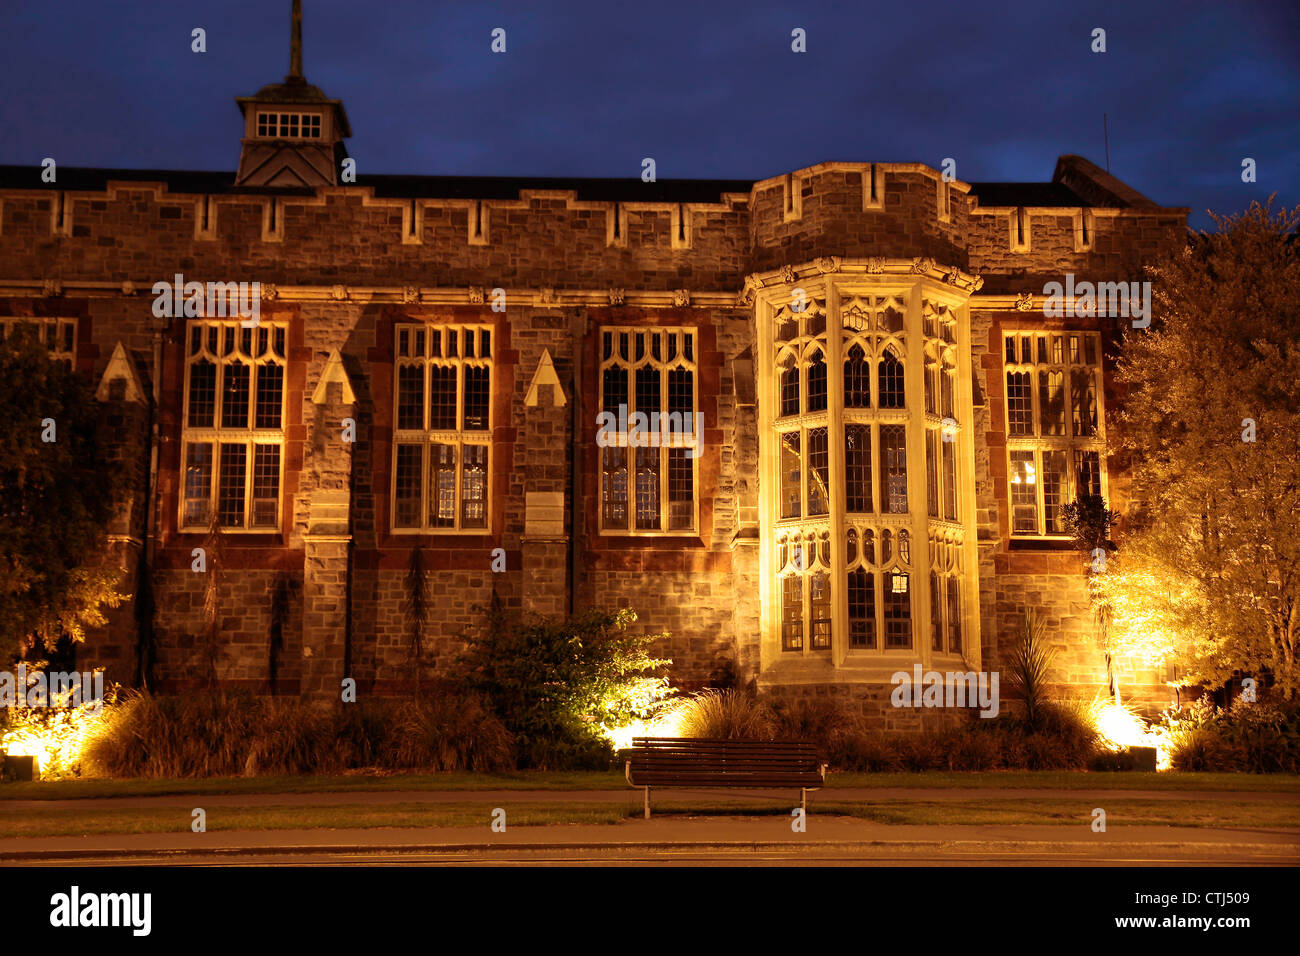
column 649, row 488
column 233, row 431
column 945, row 604
column 442, row 421
column 1054, row 441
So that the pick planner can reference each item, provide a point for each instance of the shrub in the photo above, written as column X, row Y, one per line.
column 222, row 734
column 1031, row 660
column 562, row 686
column 1259, row 737
column 722, row 715
column 450, row 733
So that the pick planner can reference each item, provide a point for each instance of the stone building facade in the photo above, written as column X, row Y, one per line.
column 889, row 421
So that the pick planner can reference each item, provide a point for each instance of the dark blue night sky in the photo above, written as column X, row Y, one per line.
column 709, row 89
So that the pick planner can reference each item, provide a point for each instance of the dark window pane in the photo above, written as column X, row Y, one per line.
column 817, row 383
column 230, row 491
column 818, row 472
column 442, row 397
column 266, row 485
column 410, row 396
column 936, row 612
column 234, row 401
column 681, row 490
column 270, row 395
column 789, row 387
column 203, row 394
column 198, row 484
column 862, row 608
column 406, row 500
column 1020, row 409
column 891, row 381
column 898, row 610
column 857, row 468
column 478, row 391
column 857, row 379
column 953, row 620
column 614, row 389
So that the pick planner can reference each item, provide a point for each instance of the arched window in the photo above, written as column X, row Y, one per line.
column 817, row 382
column 789, row 385
column 891, row 381
column 857, row 379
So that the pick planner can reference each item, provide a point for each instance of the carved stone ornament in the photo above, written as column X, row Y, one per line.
column 952, row 278
column 681, row 298
column 269, row 292
column 1025, row 302
column 616, row 296
column 875, row 265
column 977, row 284
column 922, row 264
column 476, row 295
column 548, row 295
column 53, row 287
column 410, row 294
column 828, row 264
column 340, row 292
column 788, row 274
column 128, row 287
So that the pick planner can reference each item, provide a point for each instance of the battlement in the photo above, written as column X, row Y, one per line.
column 126, row 225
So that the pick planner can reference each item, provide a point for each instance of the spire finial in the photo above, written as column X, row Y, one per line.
column 295, row 44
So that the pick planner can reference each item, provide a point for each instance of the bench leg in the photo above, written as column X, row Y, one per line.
column 647, row 803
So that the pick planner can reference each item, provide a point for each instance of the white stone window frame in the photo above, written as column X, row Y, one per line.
column 947, row 565
column 458, row 437
column 217, row 435
column 53, row 332
column 1037, row 443
column 630, row 363
column 876, row 663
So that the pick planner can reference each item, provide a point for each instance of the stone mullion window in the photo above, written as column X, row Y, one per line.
column 59, row 336
column 1055, row 445
column 232, row 435
column 651, row 489
column 442, row 419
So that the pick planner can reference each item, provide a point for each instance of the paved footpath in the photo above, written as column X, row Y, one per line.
column 679, row 841
column 671, row 796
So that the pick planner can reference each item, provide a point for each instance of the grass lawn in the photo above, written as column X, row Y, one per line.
column 613, row 780
column 56, row 821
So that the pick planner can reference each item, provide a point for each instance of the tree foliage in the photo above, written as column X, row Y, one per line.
column 57, row 499
column 561, row 685
column 1208, row 571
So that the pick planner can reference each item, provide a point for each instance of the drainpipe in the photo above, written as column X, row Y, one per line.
column 145, row 565
column 579, row 334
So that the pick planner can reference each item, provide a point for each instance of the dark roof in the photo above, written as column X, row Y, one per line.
column 405, row 187
column 1026, row 194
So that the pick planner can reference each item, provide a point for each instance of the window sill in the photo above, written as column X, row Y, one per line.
column 1042, row 544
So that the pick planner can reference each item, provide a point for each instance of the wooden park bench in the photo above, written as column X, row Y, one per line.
column 693, row 762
